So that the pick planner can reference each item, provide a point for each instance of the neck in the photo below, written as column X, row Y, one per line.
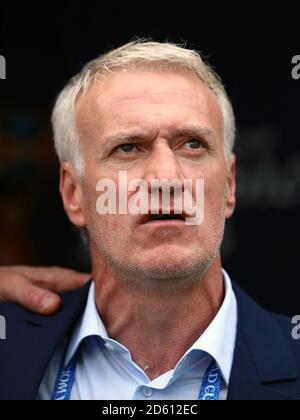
column 157, row 329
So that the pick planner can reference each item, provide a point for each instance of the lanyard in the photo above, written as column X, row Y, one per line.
column 210, row 387
column 65, row 381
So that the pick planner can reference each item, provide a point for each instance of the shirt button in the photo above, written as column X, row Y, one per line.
column 109, row 346
column 147, row 392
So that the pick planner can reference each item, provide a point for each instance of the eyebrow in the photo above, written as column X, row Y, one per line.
column 123, row 138
column 194, row 131
column 135, row 136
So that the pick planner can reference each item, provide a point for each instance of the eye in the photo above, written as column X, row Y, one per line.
column 126, row 148
column 194, row 144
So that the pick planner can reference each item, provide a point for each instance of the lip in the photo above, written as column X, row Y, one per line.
column 144, row 220
column 164, row 223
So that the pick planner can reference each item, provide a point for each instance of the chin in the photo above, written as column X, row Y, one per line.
column 169, row 264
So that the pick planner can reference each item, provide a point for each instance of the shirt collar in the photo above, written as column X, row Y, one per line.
column 89, row 325
column 218, row 340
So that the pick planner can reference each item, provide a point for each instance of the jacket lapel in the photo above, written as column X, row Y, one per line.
column 31, row 340
column 264, row 366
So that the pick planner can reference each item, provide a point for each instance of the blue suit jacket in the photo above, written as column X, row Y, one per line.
column 266, row 363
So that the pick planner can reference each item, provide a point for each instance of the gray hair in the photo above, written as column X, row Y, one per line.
column 135, row 55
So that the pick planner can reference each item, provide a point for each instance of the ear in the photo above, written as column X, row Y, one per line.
column 71, row 193
column 231, row 186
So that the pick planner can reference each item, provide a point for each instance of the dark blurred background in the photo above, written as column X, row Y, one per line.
column 46, row 43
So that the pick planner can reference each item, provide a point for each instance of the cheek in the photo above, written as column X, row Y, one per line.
column 215, row 182
column 215, row 192
column 215, row 198
column 109, row 231
column 108, row 225
column 212, row 228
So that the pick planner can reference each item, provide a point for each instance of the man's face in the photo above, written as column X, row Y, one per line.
column 153, row 125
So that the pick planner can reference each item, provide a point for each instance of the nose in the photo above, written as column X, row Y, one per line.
column 162, row 164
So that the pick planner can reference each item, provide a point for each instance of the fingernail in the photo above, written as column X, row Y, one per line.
column 47, row 303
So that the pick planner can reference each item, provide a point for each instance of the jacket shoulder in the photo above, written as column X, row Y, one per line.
column 291, row 331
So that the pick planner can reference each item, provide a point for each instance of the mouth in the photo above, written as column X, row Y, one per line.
column 163, row 219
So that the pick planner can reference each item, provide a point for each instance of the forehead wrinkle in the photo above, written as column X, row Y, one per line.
column 92, row 115
column 187, row 100
column 112, row 95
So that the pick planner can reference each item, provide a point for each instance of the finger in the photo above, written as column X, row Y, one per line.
column 19, row 289
column 55, row 279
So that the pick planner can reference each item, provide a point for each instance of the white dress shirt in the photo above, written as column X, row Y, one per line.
column 106, row 371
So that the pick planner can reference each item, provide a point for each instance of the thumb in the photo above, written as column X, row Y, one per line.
column 18, row 288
